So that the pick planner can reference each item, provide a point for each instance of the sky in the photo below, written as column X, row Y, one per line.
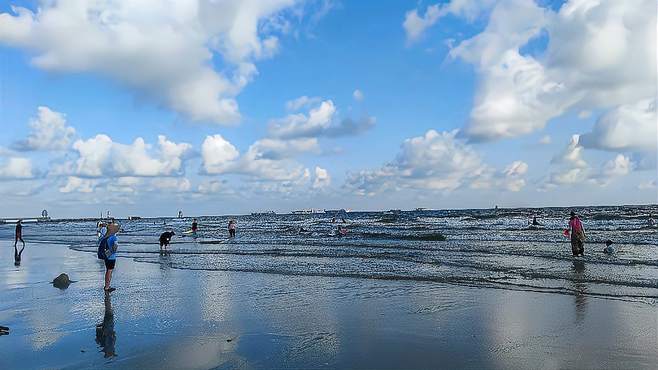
column 237, row 106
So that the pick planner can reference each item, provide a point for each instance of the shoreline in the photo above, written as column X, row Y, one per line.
column 171, row 318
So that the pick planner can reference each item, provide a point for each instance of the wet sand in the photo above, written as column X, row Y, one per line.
column 161, row 317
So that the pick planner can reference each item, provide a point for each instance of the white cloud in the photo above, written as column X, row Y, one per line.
column 621, row 165
column 210, row 187
column 263, row 160
column 416, row 24
column 100, row 156
column 516, row 168
column 600, row 54
column 218, row 154
column 48, row 132
column 322, row 178
column 358, row 95
column 78, row 185
column 321, row 120
column 630, row 127
column 164, row 49
column 301, row 102
column 572, row 154
column 434, row 161
column 16, row 168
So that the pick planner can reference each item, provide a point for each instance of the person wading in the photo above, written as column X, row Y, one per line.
column 577, row 232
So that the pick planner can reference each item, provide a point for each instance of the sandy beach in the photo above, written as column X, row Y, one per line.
column 161, row 317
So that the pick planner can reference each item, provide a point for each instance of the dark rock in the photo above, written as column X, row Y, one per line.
column 62, row 281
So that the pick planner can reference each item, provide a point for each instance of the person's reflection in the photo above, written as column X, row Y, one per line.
column 17, row 255
column 580, row 290
column 105, row 335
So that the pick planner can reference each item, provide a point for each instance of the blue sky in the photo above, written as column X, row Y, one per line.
column 448, row 104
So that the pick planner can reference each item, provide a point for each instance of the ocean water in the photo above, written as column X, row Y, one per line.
column 481, row 248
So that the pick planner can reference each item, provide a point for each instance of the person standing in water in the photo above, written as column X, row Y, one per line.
column 651, row 222
column 231, row 228
column 19, row 233
column 195, row 225
column 107, row 250
column 577, row 232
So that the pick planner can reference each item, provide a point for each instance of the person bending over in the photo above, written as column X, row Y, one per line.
column 165, row 238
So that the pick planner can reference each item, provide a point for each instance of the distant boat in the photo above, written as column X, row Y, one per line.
column 267, row 213
column 309, row 211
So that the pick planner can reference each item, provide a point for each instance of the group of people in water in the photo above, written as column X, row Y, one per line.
column 108, row 240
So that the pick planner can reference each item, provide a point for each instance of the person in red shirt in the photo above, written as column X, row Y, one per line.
column 577, row 232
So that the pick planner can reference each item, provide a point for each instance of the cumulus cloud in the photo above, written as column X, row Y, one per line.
column 100, row 156
column 600, row 54
column 572, row 154
column 16, row 168
column 163, row 49
column 434, row 161
column 322, row 178
column 48, row 132
column 302, row 102
column 629, row 127
column 416, row 24
column 76, row 184
column 263, row 160
column 321, row 120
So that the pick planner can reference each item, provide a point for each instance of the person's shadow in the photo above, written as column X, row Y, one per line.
column 105, row 335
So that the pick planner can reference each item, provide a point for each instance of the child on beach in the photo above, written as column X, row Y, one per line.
column 608, row 247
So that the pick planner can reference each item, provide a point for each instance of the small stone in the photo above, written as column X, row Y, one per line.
column 62, row 281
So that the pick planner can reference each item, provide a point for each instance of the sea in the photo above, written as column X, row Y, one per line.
column 489, row 248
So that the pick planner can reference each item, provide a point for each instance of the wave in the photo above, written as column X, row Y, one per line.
column 419, row 237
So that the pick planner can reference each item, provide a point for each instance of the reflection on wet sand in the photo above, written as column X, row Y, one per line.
column 580, row 290
column 105, row 335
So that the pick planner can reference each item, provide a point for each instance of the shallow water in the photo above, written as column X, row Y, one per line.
column 489, row 248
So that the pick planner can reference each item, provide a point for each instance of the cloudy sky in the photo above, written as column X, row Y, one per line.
column 234, row 106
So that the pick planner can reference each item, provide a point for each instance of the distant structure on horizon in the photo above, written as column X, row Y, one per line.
column 309, row 211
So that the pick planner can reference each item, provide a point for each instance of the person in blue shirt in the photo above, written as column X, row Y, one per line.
column 110, row 254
